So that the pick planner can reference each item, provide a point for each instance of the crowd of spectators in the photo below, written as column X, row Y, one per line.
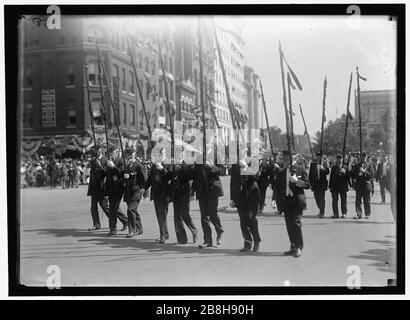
column 43, row 171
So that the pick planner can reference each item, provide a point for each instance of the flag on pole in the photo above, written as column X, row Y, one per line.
column 292, row 73
column 349, row 115
column 363, row 78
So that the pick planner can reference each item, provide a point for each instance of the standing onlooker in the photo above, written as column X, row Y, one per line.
column 381, row 177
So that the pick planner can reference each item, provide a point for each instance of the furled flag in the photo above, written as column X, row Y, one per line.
column 294, row 77
column 349, row 115
column 363, row 78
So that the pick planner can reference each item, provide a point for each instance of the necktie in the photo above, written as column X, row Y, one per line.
column 288, row 191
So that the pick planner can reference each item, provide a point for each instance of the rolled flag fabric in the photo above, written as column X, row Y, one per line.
column 349, row 115
column 363, row 78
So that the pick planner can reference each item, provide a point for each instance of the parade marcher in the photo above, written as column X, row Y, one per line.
column 339, row 183
column 135, row 178
column 363, row 173
column 208, row 189
column 381, row 178
column 185, row 174
column 115, row 189
column 290, row 185
column 318, row 181
column 160, row 180
column 263, row 182
column 64, row 174
column 273, row 170
column 248, row 204
column 96, row 187
column 391, row 186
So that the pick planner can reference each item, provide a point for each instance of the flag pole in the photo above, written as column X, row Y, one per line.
column 90, row 109
column 290, row 111
column 201, row 89
column 266, row 116
column 360, row 114
column 99, row 62
column 347, row 118
column 285, row 105
column 323, row 118
column 306, row 130
column 167, row 97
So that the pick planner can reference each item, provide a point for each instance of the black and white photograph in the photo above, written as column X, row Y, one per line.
column 206, row 150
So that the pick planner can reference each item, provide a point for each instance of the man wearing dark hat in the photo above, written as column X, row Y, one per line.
column 96, row 187
column 160, row 179
column 291, row 180
column 248, row 204
column 263, row 181
column 185, row 173
column 135, row 177
column 208, row 189
column 318, row 181
column 115, row 189
column 363, row 173
column 339, row 183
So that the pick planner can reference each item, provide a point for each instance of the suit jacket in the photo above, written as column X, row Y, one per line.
column 235, row 183
column 339, row 181
column 249, row 195
column 379, row 171
column 207, row 183
column 96, row 185
column 161, row 182
column 363, row 182
column 181, row 189
column 318, row 183
column 263, row 177
column 298, row 199
column 115, row 178
column 135, row 182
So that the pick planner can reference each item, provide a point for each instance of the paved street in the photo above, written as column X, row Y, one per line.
column 54, row 227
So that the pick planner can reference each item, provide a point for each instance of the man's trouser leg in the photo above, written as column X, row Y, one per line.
column 358, row 203
column 134, row 219
column 343, row 201
column 335, row 200
column 161, row 210
column 366, row 203
column 178, row 222
column 205, row 220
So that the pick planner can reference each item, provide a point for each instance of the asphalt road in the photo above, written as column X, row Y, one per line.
column 54, row 232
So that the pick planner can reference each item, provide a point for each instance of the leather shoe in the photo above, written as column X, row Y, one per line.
column 124, row 227
column 205, row 245
column 94, row 228
column 297, row 253
column 139, row 232
column 194, row 237
column 219, row 239
column 357, row 217
column 256, row 246
column 182, row 242
column 161, row 241
column 112, row 232
column 289, row 253
column 245, row 249
column 130, row 235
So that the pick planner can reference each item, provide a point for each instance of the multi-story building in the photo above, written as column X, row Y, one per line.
column 187, row 72
column 53, row 91
column 374, row 105
column 232, row 45
column 253, row 106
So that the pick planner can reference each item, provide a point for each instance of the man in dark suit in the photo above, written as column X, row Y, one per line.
column 160, row 179
column 115, row 189
column 184, row 173
column 135, row 177
column 248, row 204
column 263, row 181
column 96, row 187
column 363, row 173
column 339, row 183
column 273, row 170
column 381, row 178
column 290, row 184
column 318, row 181
column 208, row 188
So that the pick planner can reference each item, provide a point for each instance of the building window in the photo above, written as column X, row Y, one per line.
column 154, row 92
column 124, row 81
column 161, row 86
column 146, row 64
column 28, row 115
column 161, row 111
column 124, row 109
column 97, row 111
column 153, row 67
column 70, row 73
column 171, row 69
column 131, row 74
column 148, row 87
column 132, row 115
column 116, row 71
column 171, row 88
column 72, row 118
column 28, row 83
column 92, row 72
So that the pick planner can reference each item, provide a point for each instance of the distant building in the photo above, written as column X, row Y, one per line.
column 53, row 99
column 232, row 47
column 253, row 104
column 374, row 105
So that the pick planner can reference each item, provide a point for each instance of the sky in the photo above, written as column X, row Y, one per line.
column 317, row 47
